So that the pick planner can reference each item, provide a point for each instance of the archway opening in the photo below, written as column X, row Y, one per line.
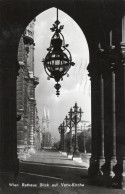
column 40, row 111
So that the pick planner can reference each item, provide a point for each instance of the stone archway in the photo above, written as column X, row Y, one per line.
column 103, row 24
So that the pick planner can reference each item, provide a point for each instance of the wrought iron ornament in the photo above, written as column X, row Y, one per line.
column 58, row 59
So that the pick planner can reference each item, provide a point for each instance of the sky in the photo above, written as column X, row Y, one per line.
column 76, row 87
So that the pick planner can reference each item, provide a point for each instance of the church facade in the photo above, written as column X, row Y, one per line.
column 46, row 135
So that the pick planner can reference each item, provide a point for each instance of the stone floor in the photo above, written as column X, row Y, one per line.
column 50, row 172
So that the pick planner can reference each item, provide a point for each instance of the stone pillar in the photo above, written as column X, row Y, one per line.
column 121, row 126
column 102, row 117
column 97, row 160
column 93, row 160
column 119, row 179
column 110, row 115
column 101, row 157
column 122, row 134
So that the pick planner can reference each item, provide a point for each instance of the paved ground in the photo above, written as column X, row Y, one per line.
column 53, row 173
column 52, row 157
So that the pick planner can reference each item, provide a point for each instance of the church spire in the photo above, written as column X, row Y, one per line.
column 45, row 119
column 44, row 112
column 47, row 114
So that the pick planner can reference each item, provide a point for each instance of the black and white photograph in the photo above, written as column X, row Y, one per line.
column 62, row 96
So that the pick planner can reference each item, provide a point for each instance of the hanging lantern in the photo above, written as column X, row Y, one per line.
column 58, row 59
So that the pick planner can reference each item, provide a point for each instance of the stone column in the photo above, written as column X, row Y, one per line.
column 93, row 159
column 122, row 134
column 119, row 179
column 110, row 115
column 121, row 157
column 101, row 157
column 92, row 171
column 97, row 160
column 113, row 157
column 102, row 117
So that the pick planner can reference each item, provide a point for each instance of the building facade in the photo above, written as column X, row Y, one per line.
column 38, row 132
column 26, row 103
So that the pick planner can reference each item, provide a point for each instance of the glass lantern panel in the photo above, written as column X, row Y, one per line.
column 57, row 62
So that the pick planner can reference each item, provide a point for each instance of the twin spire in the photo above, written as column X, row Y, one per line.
column 45, row 120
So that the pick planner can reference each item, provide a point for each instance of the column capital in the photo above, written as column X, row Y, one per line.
column 97, row 63
column 110, row 56
column 106, row 60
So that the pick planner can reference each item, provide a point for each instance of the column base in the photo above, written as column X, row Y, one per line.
column 119, row 178
column 101, row 162
column 123, row 175
column 108, row 172
column 122, row 184
column 93, row 171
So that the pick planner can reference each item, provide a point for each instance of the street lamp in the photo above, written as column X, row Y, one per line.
column 75, row 116
column 58, row 59
column 69, row 124
column 61, row 133
column 62, row 130
column 84, row 134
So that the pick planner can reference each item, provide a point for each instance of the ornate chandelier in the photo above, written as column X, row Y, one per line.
column 58, row 59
